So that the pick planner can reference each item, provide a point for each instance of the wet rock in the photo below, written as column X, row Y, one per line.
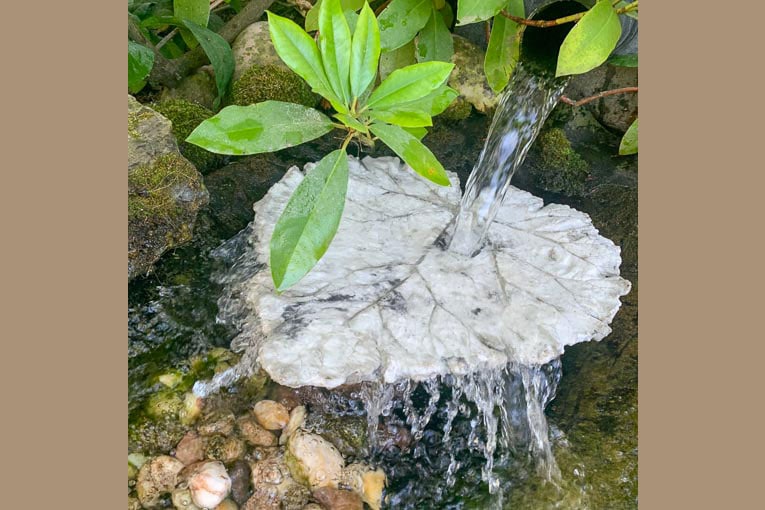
column 225, row 449
column 240, row 475
column 156, row 478
column 286, row 396
column 337, row 499
column 392, row 435
column 368, row 483
column 198, row 88
column 191, row 449
column 235, row 187
column 253, row 433
column 468, row 77
column 347, row 433
column 617, row 111
column 271, row 415
column 182, row 500
column 223, row 425
column 165, row 191
column 272, row 482
column 227, row 504
column 313, row 461
column 271, row 82
column 253, row 46
column 297, row 417
column 313, row 506
column 154, row 437
column 208, row 482
column 135, row 461
column 133, row 503
column 559, row 169
column 186, row 116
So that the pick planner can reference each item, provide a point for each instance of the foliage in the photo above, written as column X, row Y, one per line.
column 591, row 40
column 342, row 68
column 172, row 27
column 629, row 144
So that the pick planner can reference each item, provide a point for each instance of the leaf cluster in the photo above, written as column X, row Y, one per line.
column 341, row 66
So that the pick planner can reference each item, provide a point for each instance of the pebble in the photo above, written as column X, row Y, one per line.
column 253, row 433
column 336, row 499
column 157, row 477
column 190, row 449
column 208, row 482
column 271, row 415
column 240, row 481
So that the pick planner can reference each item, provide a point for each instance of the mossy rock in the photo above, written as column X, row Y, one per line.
column 186, row 116
column 198, row 88
column 561, row 169
column 468, row 77
column 271, row 82
column 459, row 109
column 165, row 191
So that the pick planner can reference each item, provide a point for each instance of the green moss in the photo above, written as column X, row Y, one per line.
column 458, row 110
column 562, row 169
column 271, row 82
column 151, row 188
column 186, row 116
column 135, row 118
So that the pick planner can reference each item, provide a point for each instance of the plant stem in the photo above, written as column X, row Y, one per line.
column 348, row 138
column 560, row 21
column 599, row 95
column 166, row 38
column 381, row 8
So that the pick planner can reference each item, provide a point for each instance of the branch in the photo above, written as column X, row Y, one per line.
column 597, row 96
column 169, row 73
column 561, row 21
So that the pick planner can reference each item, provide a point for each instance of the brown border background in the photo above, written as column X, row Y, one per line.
column 64, row 363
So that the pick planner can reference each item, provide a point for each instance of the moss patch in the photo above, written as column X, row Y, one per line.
column 151, row 188
column 271, row 82
column 185, row 117
column 562, row 170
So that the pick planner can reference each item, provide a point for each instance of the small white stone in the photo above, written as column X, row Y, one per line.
column 209, row 484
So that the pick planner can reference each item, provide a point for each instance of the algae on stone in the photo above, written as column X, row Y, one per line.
column 186, row 116
column 562, row 169
column 271, row 82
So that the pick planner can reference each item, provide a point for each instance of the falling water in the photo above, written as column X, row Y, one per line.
column 492, row 417
column 522, row 109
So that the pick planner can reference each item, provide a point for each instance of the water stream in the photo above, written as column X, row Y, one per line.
column 521, row 111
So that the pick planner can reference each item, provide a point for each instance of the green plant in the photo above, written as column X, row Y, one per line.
column 342, row 68
column 188, row 23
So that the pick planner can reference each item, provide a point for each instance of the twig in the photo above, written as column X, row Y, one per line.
column 565, row 99
column 382, row 7
column 560, row 21
column 166, row 38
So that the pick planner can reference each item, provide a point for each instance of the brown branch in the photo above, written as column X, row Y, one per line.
column 605, row 93
column 561, row 21
column 382, row 7
column 169, row 73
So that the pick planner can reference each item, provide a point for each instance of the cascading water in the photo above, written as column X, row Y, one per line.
column 521, row 111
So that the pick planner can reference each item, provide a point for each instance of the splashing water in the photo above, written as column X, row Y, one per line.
column 521, row 111
column 491, row 418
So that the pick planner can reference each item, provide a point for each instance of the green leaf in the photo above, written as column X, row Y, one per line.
column 351, row 122
column 410, row 83
column 623, row 60
column 418, row 132
column 447, row 13
column 308, row 224
column 629, row 144
column 435, row 40
column 140, row 62
column 402, row 117
column 401, row 21
column 412, row 151
column 197, row 11
column 365, row 52
column 396, row 59
column 335, row 47
column 220, row 54
column 504, row 47
column 432, row 104
column 352, row 18
column 312, row 16
column 261, row 127
column 472, row 11
column 299, row 51
column 591, row 40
